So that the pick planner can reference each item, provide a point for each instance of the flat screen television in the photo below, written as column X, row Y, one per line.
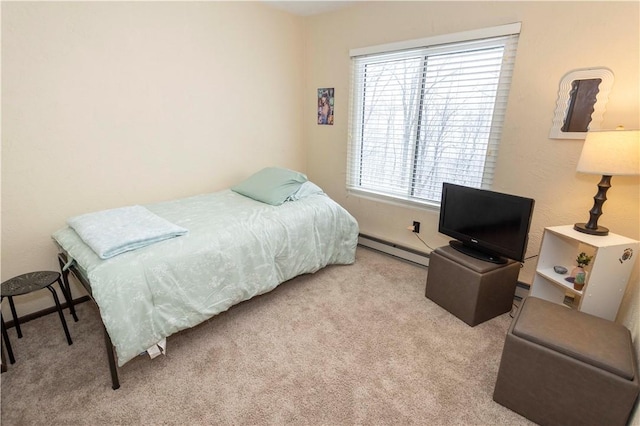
column 487, row 225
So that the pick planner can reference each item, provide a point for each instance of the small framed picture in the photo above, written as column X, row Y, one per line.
column 325, row 106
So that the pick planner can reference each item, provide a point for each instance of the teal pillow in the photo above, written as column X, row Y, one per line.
column 271, row 185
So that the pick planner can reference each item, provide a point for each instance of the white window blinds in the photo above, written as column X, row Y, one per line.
column 428, row 115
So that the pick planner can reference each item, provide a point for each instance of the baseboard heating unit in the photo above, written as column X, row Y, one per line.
column 405, row 253
column 522, row 290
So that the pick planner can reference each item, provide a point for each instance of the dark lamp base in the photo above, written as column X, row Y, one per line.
column 582, row 227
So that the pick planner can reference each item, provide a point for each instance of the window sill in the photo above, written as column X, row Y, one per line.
column 392, row 200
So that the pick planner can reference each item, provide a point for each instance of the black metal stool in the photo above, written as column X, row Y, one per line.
column 24, row 284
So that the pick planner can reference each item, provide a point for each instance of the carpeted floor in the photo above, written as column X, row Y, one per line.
column 357, row 344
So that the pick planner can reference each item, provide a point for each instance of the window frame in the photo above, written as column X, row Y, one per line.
column 402, row 49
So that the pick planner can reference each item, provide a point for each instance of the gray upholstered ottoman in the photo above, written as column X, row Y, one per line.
column 564, row 367
column 471, row 289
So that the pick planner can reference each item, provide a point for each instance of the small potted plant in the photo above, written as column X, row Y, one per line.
column 579, row 275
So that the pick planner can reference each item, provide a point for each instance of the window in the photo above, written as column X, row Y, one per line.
column 421, row 116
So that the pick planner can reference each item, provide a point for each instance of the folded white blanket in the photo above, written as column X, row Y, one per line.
column 115, row 231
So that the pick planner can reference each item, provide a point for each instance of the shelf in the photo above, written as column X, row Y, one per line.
column 607, row 274
column 558, row 279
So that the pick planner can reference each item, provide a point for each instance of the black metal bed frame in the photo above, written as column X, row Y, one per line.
column 63, row 260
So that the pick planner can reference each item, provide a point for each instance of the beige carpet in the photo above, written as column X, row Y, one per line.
column 356, row 344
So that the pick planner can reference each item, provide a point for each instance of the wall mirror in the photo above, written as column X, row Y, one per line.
column 582, row 99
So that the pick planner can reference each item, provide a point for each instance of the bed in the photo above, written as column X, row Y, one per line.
column 234, row 246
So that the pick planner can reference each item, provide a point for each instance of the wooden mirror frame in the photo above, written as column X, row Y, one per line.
column 565, row 99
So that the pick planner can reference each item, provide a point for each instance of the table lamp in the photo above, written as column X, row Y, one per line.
column 607, row 153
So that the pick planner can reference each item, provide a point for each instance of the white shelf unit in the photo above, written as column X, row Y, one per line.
column 607, row 274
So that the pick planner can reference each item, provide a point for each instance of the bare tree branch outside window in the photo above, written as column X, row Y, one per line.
column 426, row 118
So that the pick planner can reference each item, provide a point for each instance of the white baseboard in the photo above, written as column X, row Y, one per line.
column 396, row 250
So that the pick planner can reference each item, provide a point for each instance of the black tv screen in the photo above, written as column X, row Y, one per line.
column 486, row 224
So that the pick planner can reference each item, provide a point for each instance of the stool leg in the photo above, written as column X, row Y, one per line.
column 64, row 323
column 66, row 290
column 16, row 321
column 3, row 368
column 7, row 343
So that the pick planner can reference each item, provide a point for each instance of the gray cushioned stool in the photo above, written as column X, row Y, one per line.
column 471, row 289
column 564, row 367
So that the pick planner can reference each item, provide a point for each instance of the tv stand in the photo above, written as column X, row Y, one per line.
column 470, row 251
column 473, row 290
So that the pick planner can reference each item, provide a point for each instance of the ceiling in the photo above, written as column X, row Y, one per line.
column 308, row 8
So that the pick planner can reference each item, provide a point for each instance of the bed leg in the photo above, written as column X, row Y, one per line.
column 66, row 289
column 62, row 259
column 115, row 383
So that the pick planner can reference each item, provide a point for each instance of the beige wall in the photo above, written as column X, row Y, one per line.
column 556, row 38
column 112, row 104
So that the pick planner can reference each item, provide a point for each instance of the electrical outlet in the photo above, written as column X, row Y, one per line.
column 416, row 227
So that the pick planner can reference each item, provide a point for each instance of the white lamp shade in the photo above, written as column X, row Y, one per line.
column 611, row 153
